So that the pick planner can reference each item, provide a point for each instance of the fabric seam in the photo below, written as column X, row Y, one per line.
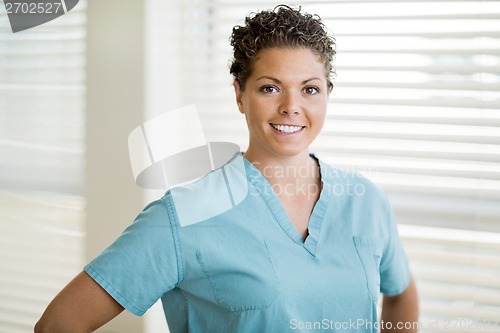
column 167, row 200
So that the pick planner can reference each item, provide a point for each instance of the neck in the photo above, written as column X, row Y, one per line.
column 285, row 169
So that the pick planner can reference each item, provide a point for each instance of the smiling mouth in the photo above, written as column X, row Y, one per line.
column 288, row 129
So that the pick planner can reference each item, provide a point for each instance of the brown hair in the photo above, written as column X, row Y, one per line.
column 282, row 27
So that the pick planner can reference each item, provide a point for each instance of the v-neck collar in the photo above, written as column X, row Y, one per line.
column 260, row 183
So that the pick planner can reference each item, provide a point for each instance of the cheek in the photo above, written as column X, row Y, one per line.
column 254, row 111
column 251, row 118
column 319, row 119
column 250, row 106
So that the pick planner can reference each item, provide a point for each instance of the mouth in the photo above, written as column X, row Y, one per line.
column 287, row 129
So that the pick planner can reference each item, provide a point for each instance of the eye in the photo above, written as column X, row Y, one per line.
column 268, row 89
column 311, row 90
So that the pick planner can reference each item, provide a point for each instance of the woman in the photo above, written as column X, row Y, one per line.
column 279, row 242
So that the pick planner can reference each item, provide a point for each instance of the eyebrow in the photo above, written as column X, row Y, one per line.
column 278, row 81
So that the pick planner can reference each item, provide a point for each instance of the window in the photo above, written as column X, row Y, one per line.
column 42, row 146
column 416, row 107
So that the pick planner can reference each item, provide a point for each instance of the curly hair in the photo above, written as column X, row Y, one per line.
column 282, row 27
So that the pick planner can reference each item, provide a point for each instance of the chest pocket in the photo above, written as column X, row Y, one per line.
column 369, row 250
column 241, row 274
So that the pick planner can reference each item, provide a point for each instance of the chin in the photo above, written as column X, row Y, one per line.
column 290, row 151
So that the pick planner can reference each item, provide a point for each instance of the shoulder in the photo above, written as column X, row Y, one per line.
column 351, row 183
column 213, row 194
column 358, row 200
column 155, row 213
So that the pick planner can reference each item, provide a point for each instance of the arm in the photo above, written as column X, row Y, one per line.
column 82, row 306
column 402, row 309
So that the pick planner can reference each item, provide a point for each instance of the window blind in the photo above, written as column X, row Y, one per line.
column 415, row 107
column 42, row 126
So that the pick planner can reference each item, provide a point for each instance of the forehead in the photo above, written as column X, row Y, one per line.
column 288, row 62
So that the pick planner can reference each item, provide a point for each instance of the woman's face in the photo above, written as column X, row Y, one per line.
column 284, row 101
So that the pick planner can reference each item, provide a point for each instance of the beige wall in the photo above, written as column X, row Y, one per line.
column 114, row 107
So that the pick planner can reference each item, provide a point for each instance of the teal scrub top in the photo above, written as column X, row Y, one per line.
column 223, row 256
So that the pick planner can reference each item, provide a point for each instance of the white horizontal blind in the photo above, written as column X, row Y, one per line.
column 416, row 107
column 42, row 127
column 458, row 277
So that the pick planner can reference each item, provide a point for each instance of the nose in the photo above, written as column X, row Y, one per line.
column 289, row 104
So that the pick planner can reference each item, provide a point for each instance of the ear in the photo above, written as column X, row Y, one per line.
column 239, row 95
column 330, row 87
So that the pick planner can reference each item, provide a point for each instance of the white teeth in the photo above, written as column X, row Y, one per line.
column 287, row 129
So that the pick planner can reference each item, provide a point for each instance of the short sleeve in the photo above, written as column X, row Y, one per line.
column 394, row 270
column 141, row 265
